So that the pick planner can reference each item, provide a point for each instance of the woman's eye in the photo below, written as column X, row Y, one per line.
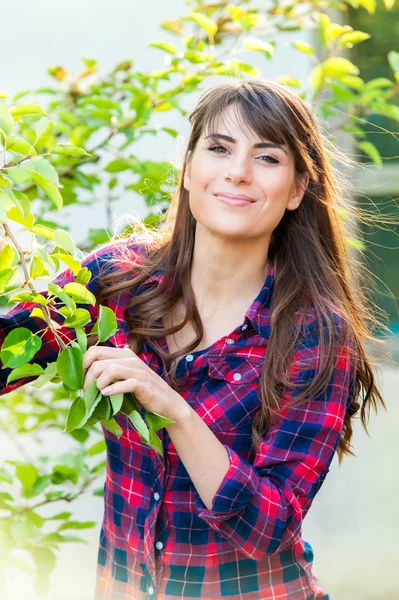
column 267, row 157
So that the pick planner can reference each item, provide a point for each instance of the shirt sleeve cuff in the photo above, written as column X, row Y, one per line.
column 234, row 493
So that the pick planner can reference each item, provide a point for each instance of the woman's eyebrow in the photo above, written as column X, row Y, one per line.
column 227, row 138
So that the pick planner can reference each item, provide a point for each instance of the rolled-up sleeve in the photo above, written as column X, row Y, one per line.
column 260, row 507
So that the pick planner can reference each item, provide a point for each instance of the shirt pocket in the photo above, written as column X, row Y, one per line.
column 228, row 398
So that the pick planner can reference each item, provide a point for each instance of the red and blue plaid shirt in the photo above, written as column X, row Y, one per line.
column 158, row 539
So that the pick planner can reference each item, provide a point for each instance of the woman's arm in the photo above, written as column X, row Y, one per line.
column 259, row 508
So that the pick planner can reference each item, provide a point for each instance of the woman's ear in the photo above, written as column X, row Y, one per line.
column 300, row 187
column 186, row 182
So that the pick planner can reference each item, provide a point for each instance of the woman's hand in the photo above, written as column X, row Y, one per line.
column 131, row 374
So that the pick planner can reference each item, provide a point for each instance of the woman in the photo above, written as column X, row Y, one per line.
column 240, row 319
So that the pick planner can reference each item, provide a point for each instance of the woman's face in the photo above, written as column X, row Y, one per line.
column 232, row 164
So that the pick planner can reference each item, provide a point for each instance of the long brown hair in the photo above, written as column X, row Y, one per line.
column 307, row 248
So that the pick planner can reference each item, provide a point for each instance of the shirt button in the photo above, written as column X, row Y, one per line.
column 189, row 357
column 159, row 545
column 151, row 590
column 244, row 327
column 237, row 376
column 229, row 341
column 156, row 496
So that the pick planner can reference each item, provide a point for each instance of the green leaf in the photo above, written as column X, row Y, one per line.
column 27, row 108
column 112, row 426
column 70, row 367
column 204, row 22
column 21, row 531
column 106, row 324
column 19, row 347
column 79, row 318
column 303, row 47
column 17, row 144
column 259, row 45
column 4, row 475
column 97, row 448
column 63, row 238
column 81, row 339
column 244, row 67
column 371, row 151
column 44, row 129
column 393, row 59
column 50, row 189
column 60, row 516
column 8, row 257
column 338, row 66
column 44, row 231
column 83, row 276
column 79, row 293
column 42, row 167
column 57, row 291
column 27, row 475
column 69, row 150
column 139, row 424
column 351, row 38
column 92, row 397
column 101, row 412
column 165, row 46
column 116, row 402
column 77, row 525
column 29, row 370
column 6, row 120
column 155, row 421
column 76, row 415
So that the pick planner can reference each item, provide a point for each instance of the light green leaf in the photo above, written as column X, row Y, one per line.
column 63, row 238
column 79, row 318
column 69, row 150
column 6, row 120
column 371, row 151
column 351, row 38
column 17, row 144
column 155, row 421
column 259, row 45
column 393, row 59
column 77, row 525
column 92, row 397
column 139, row 424
column 81, row 339
column 303, row 47
column 204, row 22
column 97, row 448
column 70, row 367
column 116, row 402
column 76, row 415
column 165, row 46
column 79, row 293
column 112, row 426
column 27, row 474
column 106, row 324
column 19, row 347
column 27, row 108
column 29, row 370
column 57, row 291
column 338, row 66
column 49, row 188
column 44, row 129
column 44, row 231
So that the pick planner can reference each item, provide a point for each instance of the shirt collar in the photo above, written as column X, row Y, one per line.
column 258, row 314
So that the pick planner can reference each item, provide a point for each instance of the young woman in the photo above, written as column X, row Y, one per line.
column 241, row 319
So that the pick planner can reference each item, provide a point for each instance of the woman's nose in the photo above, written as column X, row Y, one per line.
column 239, row 169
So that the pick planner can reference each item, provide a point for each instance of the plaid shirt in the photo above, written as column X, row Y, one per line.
column 158, row 539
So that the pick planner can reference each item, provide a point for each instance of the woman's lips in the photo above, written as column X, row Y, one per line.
column 234, row 201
